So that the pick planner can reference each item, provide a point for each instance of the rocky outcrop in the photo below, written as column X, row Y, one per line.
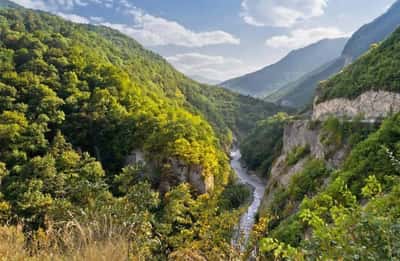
column 300, row 133
column 191, row 174
column 371, row 106
column 176, row 173
column 136, row 157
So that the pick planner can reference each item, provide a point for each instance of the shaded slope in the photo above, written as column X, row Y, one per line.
column 358, row 44
column 294, row 65
column 299, row 94
column 6, row 3
column 378, row 70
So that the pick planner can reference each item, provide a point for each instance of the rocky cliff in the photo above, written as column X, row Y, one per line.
column 371, row 106
column 301, row 133
column 178, row 172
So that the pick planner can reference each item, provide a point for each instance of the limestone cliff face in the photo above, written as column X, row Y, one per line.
column 183, row 173
column 371, row 105
column 300, row 133
column 178, row 172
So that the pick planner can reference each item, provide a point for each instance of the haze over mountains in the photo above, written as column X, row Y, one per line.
column 107, row 152
column 299, row 93
column 293, row 66
column 292, row 81
column 6, row 3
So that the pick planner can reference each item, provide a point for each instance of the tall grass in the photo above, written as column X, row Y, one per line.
column 100, row 239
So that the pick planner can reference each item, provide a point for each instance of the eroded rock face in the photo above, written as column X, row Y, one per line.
column 300, row 134
column 179, row 172
column 193, row 175
column 136, row 157
column 371, row 105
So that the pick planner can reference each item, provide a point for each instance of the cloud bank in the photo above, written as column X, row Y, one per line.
column 280, row 13
column 217, row 68
column 302, row 37
column 157, row 31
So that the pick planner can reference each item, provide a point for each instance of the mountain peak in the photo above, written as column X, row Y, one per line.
column 6, row 3
column 373, row 32
column 294, row 65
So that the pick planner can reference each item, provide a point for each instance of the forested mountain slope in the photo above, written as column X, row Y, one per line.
column 6, row 3
column 333, row 192
column 299, row 93
column 373, row 32
column 75, row 101
column 377, row 70
column 296, row 64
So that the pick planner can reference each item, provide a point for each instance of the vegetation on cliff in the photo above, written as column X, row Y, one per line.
column 264, row 143
column 75, row 101
column 374, row 71
column 349, row 213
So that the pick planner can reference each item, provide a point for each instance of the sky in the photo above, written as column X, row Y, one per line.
column 220, row 39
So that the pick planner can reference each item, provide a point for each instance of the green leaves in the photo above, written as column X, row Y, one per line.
column 376, row 70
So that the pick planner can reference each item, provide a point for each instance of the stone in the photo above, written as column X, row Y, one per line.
column 136, row 157
column 371, row 106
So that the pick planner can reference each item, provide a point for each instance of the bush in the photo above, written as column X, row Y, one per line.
column 297, row 154
column 234, row 196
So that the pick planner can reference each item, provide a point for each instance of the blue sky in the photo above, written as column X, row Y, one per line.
column 220, row 39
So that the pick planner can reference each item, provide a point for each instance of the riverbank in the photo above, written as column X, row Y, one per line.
column 247, row 220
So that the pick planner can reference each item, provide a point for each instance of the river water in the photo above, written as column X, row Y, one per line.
column 247, row 220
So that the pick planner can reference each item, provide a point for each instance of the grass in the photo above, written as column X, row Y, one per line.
column 97, row 240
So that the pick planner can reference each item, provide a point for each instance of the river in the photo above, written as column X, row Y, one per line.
column 247, row 220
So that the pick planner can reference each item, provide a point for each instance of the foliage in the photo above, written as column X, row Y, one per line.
column 264, row 143
column 355, row 216
column 375, row 71
column 297, row 154
column 75, row 100
column 336, row 133
column 235, row 196
column 307, row 183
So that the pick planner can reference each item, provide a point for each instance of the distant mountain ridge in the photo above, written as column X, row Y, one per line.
column 293, row 66
column 376, row 31
column 6, row 3
column 299, row 93
column 204, row 80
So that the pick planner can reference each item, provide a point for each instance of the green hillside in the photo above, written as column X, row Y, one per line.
column 376, row 70
column 347, row 212
column 350, row 213
column 300, row 93
column 75, row 100
column 293, row 66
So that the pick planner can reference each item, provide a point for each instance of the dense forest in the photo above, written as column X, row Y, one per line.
column 375, row 70
column 349, row 211
column 108, row 153
column 76, row 100
column 300, row 93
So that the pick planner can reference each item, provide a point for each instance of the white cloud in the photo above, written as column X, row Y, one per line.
column 302, row 37
column 74, row 18
column 156, row 31
column 217, row 68
column 55, row 5
column 96, row 19
column 280, row 13
column 33, row 4
column 147, row 29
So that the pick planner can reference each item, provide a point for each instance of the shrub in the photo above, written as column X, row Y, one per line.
column 297, row 154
